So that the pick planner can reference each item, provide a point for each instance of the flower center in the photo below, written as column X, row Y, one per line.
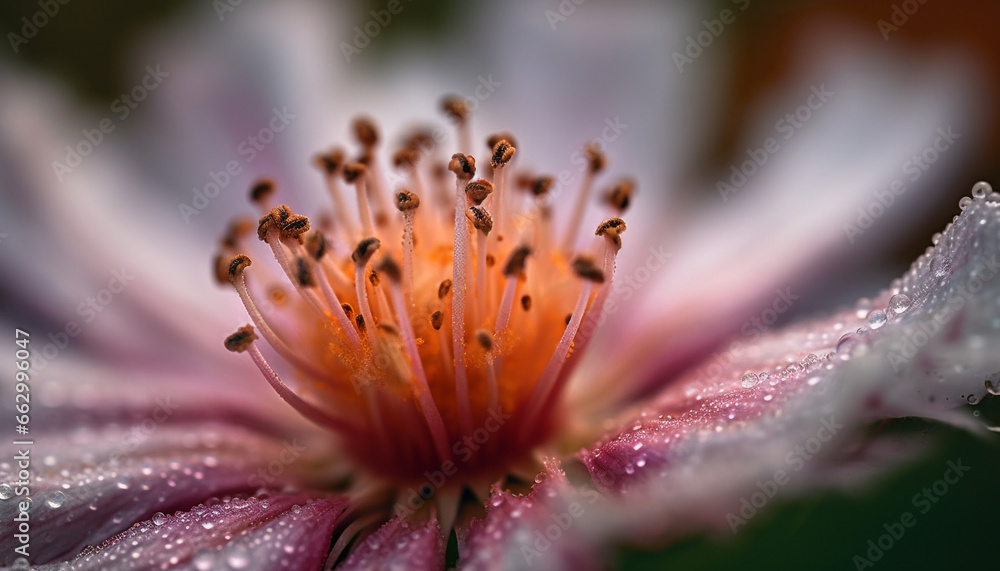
column 434, row 327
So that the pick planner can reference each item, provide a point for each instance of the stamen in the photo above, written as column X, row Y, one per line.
column 316, row 247
column 478, row 190
column 407, row 203
column 421, row 391
column 331, row 163
column 464, row 168
column 483, row 222
column 503, row 152
column 242, row 341
column 357, row 173
column 261, row 193
column 456, row 109
column 620, row 196
column 361, row 256
column 367, row 134
column 595, row 164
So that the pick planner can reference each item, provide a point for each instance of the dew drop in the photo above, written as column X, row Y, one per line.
column 964, row 203
column 940, row 266
column 899, row 304
column 990, row 388
column 207, row 524
column 56, row 500
column 847, row 342
column 159, row 518
column 876, row 318
column 749, row 380
column 981, row 189
column 6, row 491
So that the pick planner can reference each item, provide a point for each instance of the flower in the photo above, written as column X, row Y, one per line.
column 250, row 485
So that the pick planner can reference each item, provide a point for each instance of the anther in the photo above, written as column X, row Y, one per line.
column 515, row 264
column 366, row 131
column 316, row 245
column 464, row 166
column 261, row 191
column 221, row 268
column 485, row 340
column 437, row 320
column 495, row 138
column 587, row 269
column 478, row 190
column 388, row 267
column 365, row 250
column 406, row 200
column 374, row 278
column 455, row 107
column 503, row 152
column 360, row 320
column 240, row 341
column 304, row 273
column 595, row 158
column 353, row 171
column 330, row 162
column 526, row 302
column 238, row 229
column 348, row 310
column 620, row 195
column 237, row 265
column 405, row 157
column 540, row 186
column 612, row 229
column 444, row 288
column 480, row 219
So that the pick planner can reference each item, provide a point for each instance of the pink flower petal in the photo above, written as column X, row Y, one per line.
column 689, row 456
column 545, row 529
column 279, row 532
column 399, row 546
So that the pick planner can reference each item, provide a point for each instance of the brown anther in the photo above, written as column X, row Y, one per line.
column 348, row 310
column 612, row 229
column 480, row 219
column 365, row 250
column 516, row 262
column 330, row 161
column 455, row 107
column 294, row 226
column 273, row 220
column 437, row 320
column 359, row 320
column 620, row 195
column 316, row 245
column 390, row 269
column 374, row 278
column 420, row 140
column 490, row 260
column 478, row 190
column 221, row 267
column 503, row 152
column 304, row 273
column 526, row 302
column 406, row 200
column 464, row 166
column 495, row 138
column 262, row 190
column 541, row 186
column 240, row 341
column 444, row 288
column 484, row 339
column 595, row 158
column 587, row 269
column 353, row 171
column 237, row 230
column 406, row 157
column 365, row 131
column 237, row 265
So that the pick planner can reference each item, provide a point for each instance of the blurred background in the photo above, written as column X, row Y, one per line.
column 701, row 85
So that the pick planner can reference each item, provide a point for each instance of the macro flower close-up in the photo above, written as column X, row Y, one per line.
column 567, row 284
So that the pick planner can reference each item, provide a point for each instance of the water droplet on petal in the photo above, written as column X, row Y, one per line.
column 876, row 318
column 159, row 518
column 6, row 491
column 56, row 500
column 940, row 266
column 964, row 203
column 981, row 189
column 899, row 303
column 992, row 389
column 749, row 380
